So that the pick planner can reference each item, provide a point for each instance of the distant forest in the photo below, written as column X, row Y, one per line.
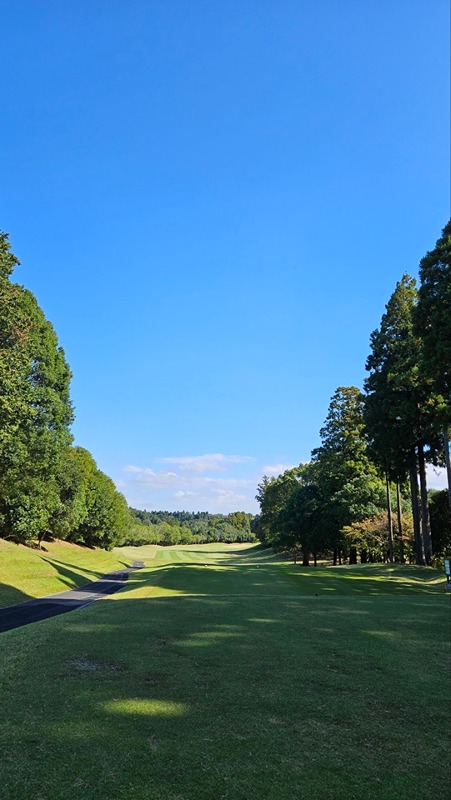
column 184, row 527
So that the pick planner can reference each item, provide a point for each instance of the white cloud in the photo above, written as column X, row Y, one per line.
column 277, row 469
column 163, row 490
column 206, row 463
column 436, row 477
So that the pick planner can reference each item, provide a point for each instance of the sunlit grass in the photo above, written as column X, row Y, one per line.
column 27, row 573
column 152, row 708
column 234, row 679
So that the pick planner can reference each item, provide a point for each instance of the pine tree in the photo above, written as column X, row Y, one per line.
column 433, row 323
column 398, row 406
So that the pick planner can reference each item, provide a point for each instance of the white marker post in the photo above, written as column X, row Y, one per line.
column 448, row 574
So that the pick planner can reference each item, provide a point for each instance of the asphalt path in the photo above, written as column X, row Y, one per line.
column 54, row 604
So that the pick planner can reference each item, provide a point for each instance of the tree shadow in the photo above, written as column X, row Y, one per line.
column 10, row 596
column 237, row 697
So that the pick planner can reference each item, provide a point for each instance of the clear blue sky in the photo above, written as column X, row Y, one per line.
column 212, row 202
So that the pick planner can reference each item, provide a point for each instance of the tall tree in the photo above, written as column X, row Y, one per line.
column 433, row 323
column 35, row 408
column 273, row 495
column 344, row 472
column 398, row 406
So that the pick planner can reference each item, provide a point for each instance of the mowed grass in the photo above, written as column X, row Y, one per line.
column 27, row 573
column 223, row 673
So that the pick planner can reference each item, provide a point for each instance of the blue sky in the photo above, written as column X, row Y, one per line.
column 212, row 203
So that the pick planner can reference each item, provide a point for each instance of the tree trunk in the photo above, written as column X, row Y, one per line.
column 335, row 557
column 447, row 460
column 353, row 555
column 400, row 528
column 315, row 560
column 390, row 520
column 425, row 521
column 416, row 508
column 305, row 558
column 363, row 557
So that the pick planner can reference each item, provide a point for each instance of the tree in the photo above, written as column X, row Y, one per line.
column 440, row 523
column 105, row 517
column 346, row 477
column 433, row 324
column 273, row 495
column 35, row 409
column 399, row 406
column 301, row 521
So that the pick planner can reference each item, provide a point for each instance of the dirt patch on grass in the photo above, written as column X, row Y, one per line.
column 85, row 665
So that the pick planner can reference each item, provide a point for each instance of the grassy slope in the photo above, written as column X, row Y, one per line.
column 221, row 673
column 26, row 573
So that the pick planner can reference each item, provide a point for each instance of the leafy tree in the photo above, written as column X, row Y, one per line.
column 273, row 495
column 346, row 477
column 104, row 519
column 301, row 521
column 35, row 409
column 433, row 323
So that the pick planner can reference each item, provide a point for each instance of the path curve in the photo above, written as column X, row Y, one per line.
column 53, row 604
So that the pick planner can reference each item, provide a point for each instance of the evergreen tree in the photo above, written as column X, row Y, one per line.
column 399, row 406
column 433, row 324
column 347, row 480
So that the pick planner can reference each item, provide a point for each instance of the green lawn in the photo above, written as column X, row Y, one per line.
column 222, row 673
column 27, row 573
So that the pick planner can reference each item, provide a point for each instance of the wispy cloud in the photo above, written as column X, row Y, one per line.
column 277, row 469
column 190, row 486
column 206, row 463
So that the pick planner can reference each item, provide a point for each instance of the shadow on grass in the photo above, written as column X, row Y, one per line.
column 70, row 577
column 10, row 596
column 234, row 697
column 227, row 578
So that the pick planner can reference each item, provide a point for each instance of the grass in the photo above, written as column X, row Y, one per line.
column 221, row 673
column 27, row 573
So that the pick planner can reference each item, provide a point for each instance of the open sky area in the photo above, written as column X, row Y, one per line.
column 212, row 202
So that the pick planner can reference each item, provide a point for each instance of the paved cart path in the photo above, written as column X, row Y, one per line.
column 53, row 604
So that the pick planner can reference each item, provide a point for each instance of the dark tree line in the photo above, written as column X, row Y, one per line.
column 364, row 491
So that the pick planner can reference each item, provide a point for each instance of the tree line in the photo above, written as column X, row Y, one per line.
column 184, row 527
column 364, row 492
column 49, row 487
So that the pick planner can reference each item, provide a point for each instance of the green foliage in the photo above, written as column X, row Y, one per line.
column 433, row 320
column 348, row 485
column 103, row 516
column 184, row 527
column 35, row 409
column 307, row 508
column 399, row 402
column 273, row 495
column 46, row 486
column 440, row 523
